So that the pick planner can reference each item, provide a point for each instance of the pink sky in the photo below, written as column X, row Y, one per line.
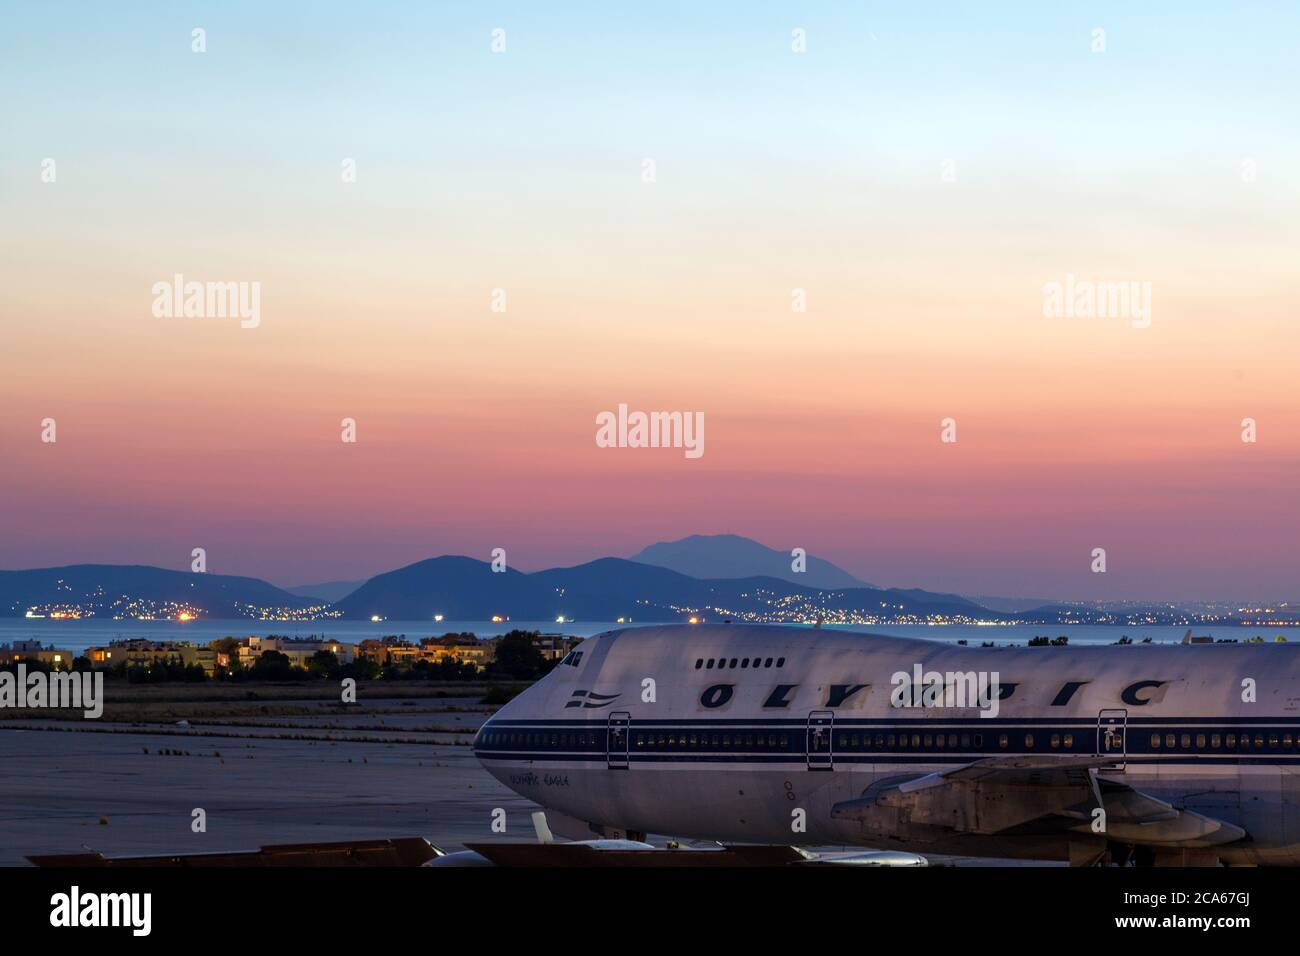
column 477, row 429
column 822, row 431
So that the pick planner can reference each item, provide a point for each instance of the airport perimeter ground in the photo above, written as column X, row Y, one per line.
column 267, row 763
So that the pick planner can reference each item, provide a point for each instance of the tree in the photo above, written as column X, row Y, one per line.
column 272, row 665
column 226, row 645
column 518, row 657
column 323, row 664
column 362, row 668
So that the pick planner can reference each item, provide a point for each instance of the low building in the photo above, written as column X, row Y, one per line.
column 555, row 646
column 465, row 648
column 390, row 650
column 139, row 652
column 300, row 651
column 34, row 651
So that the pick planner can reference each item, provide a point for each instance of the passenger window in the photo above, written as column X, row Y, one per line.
column 1002, row 740
column 1200, row 741
column 1155, row 741
column 1055, row 741
column 1170, row 742
column 768, row 662
column 1069, row 741
column 744, row 662
column 780, row 662
column 1186, row 741
column 709, row 664
column 1029, row 741
column 1215, row 741
column 699, row 663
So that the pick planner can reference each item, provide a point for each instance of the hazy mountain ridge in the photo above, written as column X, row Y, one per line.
column 606, row 589
column 461, row 588
column 133, row 590
column 712, row 556
column 326, row 592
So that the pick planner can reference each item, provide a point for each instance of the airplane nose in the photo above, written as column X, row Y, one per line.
column 493, row 723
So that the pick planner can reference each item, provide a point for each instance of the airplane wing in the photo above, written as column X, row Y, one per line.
column 999, row 793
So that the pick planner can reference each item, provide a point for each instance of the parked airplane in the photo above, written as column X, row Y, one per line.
column 1151, row 754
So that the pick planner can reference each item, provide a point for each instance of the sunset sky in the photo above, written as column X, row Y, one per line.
column 1173, row 157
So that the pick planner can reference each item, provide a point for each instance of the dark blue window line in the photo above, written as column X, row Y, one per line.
column 647, row 738
column 845, row 721
column 901, row 760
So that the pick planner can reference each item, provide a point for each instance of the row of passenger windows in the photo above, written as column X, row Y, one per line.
column 679, row 740
column 531, row 740
column 846, row 741
column 850, row 741
column 1226, row 741
column 723, row 662
column 738, row 741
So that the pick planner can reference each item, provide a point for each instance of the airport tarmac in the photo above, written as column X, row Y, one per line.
column 391, row 769
column 123, row 788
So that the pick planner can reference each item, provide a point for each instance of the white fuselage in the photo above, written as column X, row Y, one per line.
column 748, row 733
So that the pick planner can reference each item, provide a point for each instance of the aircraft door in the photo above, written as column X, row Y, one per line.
column 616, row 740
column 1112, row 726
column 821, row 725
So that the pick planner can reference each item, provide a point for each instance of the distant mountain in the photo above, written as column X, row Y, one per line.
column 732, row 556
column 1012, row 605
column 327, row 592
column 464, row 589
column 131, row 591
column 459, row 588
